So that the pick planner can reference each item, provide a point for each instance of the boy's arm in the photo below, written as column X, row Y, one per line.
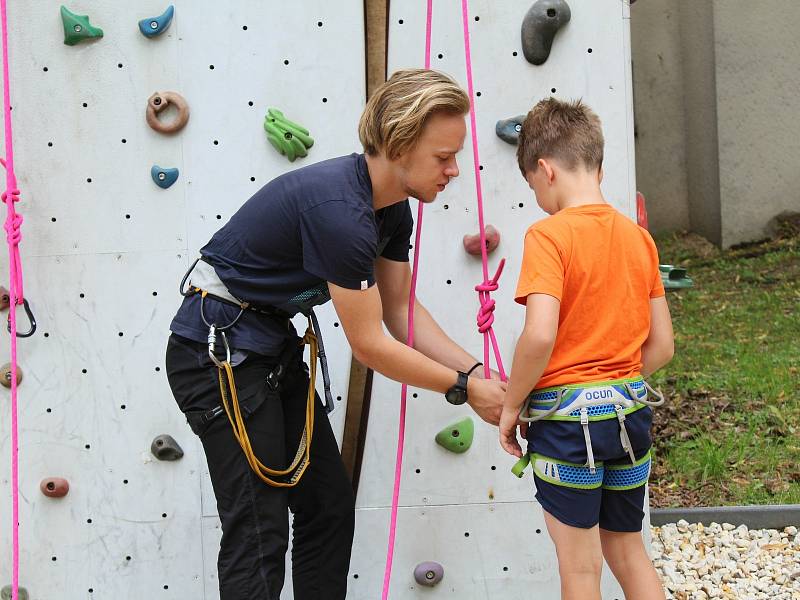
column 531, row 356
column 659, row 346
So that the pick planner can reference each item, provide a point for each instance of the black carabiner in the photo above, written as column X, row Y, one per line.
column 31, row 319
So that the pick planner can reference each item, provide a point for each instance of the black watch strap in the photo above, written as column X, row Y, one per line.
column 475, row 366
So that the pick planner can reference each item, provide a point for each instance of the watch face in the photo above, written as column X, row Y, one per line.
column 455, row 396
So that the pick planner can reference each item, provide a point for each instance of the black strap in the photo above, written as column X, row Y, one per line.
column 475, row 366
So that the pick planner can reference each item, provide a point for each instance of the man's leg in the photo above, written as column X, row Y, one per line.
column 254, row 515
column 322, row 503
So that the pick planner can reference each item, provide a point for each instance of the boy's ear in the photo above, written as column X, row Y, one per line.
column 600, row 176
column 549, row 172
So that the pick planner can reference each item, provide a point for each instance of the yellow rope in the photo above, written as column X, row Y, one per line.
column 302, row 459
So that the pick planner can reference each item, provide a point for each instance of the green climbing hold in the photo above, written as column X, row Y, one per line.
column 288, row 138
column 458, row 436
column 674, row 278
column 77, row 27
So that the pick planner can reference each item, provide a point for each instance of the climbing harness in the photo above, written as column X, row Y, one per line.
column 201, row 278
column 585, row 403
column 487, row 305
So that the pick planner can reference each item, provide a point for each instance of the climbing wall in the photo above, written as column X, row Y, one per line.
column 467, row 511
column 104, row 249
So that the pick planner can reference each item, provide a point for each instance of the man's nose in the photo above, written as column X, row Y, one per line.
column 452, row 169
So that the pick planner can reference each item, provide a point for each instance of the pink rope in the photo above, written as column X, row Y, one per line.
column 412, row 298
column 14, row 236
column 485, row 289
column 486, row 311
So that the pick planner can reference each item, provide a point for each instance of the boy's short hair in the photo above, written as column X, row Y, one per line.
column 397, row 111
column 569, row 132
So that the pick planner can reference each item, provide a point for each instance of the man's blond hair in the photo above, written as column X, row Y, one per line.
column 398, row 110
column 568, row 132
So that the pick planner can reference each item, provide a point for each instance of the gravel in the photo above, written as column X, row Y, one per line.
column 725, row 561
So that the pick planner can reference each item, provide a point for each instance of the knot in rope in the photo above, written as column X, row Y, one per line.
column 486, row 310
column 14, row 195
column 13, row 227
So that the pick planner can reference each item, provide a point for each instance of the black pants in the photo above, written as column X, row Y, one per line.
column 254, row 515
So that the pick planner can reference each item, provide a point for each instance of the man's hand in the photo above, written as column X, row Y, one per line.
column 485, row 396
column 508, row 432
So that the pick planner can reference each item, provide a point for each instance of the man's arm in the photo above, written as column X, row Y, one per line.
column 534, row 347
column 361, row 314
column 394, row 285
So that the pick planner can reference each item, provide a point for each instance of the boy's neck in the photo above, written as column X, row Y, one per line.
column 579, row 189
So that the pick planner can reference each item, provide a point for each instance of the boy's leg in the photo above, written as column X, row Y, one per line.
column 621, row 515
column 580, row 559
column 322, row 503
column 625, row 554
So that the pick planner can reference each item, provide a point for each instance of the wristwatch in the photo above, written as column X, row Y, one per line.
column 458, row 393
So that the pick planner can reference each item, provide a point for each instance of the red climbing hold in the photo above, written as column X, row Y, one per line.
column 641, row 210
column 54, row 487
column 472, row 243
column 5, row 298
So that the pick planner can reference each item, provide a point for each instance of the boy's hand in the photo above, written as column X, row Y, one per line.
column 509, row 420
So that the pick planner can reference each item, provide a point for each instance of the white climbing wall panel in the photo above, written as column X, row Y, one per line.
column 104, row 249
column 467, row 511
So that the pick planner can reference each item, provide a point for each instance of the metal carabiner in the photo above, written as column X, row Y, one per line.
column 212, row 342
column 31, row 320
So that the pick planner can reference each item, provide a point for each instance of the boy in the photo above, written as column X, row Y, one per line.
column 596, row 322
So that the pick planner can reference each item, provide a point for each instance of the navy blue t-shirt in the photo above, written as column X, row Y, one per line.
column 303, row 229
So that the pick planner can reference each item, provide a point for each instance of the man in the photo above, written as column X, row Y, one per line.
column 332, row 230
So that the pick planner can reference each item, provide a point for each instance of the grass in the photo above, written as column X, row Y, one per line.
column 730, row 433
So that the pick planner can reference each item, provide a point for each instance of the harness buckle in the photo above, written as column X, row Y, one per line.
column 273, row 379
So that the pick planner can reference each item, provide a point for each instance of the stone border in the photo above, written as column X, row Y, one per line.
column 773, row 516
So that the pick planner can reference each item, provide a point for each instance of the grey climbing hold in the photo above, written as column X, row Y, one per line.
column 163, row 177
column 157, row 25
column 508, row 129
column 164, row 447
column 428, row 573
column 5, row 593
column 539, row 27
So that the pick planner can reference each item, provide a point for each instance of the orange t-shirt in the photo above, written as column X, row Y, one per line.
column 603, row 268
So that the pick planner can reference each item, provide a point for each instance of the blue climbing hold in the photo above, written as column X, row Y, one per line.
column 163, row 177
column 155, row 26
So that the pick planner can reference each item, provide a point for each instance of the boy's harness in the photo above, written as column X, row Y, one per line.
column 586, row 403
column 202, row 279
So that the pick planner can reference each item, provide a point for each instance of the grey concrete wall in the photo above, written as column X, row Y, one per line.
column 758, row 113
column 659, row 115
column 700, row 103
column 717, row 99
